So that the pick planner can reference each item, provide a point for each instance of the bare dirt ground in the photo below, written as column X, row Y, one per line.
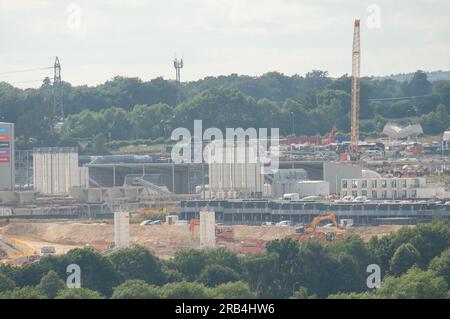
column 162, row 240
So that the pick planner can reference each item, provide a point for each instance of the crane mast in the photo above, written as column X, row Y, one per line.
column 356, row 63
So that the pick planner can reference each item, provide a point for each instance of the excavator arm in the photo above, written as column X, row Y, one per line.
column 312, row 227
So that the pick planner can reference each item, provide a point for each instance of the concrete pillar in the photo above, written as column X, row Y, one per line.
column 114, row 175
column 121, row 229
column 173, row 178
column 207, row 229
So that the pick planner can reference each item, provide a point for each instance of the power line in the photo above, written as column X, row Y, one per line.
column 400, row 98
column 26, row 70
column 26, row 81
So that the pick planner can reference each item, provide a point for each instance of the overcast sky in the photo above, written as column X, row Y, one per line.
column 99, row 39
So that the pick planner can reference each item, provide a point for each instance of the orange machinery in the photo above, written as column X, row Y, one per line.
column 222, row 231
column 310, row 231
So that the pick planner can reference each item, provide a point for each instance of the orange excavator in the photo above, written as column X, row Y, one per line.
column 222, row 231
column 310, row 231
column 316, row 220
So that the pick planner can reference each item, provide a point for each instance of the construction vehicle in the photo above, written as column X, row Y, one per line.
column 225, row 232
column 309, row 231
column 21, row 252
column 222, row 231
column 250, row 248
column 316, row 220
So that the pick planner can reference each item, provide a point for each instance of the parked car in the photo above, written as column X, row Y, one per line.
column 150, row 222
column 284, row 223
column 360, row 199
column 268, row 224
column 348, row 198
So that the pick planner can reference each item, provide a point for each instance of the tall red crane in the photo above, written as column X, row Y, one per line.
column 356, row 63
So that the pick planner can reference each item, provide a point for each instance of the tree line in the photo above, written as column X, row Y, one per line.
column 414, row 263
column 129, row 108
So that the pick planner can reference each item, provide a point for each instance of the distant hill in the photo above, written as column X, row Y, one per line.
column 432, row 76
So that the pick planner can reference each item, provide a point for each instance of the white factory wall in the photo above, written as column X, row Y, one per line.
column 55, row 171
column 83, row 177
column 334, row 172
column 7, row 169
column 234, row 172
column 313, row 188
column 284, row 187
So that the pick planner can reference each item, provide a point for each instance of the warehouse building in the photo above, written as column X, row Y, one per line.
column 390, row 188
column 55, row 170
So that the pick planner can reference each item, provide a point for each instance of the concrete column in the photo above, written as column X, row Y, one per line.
column 207, row 229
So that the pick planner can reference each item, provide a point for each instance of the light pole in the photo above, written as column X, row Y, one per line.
column 293, row 123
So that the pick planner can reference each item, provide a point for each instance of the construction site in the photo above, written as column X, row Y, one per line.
column 25, row 241
column 52, row 199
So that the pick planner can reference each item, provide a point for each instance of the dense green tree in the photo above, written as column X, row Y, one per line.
column 78, row 293
column 171, row 275
column 441, row 265
column 436, row 122
column 223, row 257
column 223, row 101
column 303, row 293
column 419, row 84
column 185, row 290
column 218, row 107
column 414, row 284
column 23, row 293
column 287, row 271
column 136, row 289
column 352, row 256
column 98, row 144
column 352, row 295
column 213, row 275
column 190, row 262
column 319, row 269
column 151, row 121
column 233, row 290
column 260, row 271
column 6, row 283
column 137, row 263
column 97, row 272
column 51, row 284
column 404, row 258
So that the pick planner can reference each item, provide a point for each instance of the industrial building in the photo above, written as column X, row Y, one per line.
column 390, row 188
column 334, row 172
column 234, row 171
column 7, row 167
column 396, row 132
column 285, row 181
column 256, row 212
column 55, row 170
column 313, row 188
